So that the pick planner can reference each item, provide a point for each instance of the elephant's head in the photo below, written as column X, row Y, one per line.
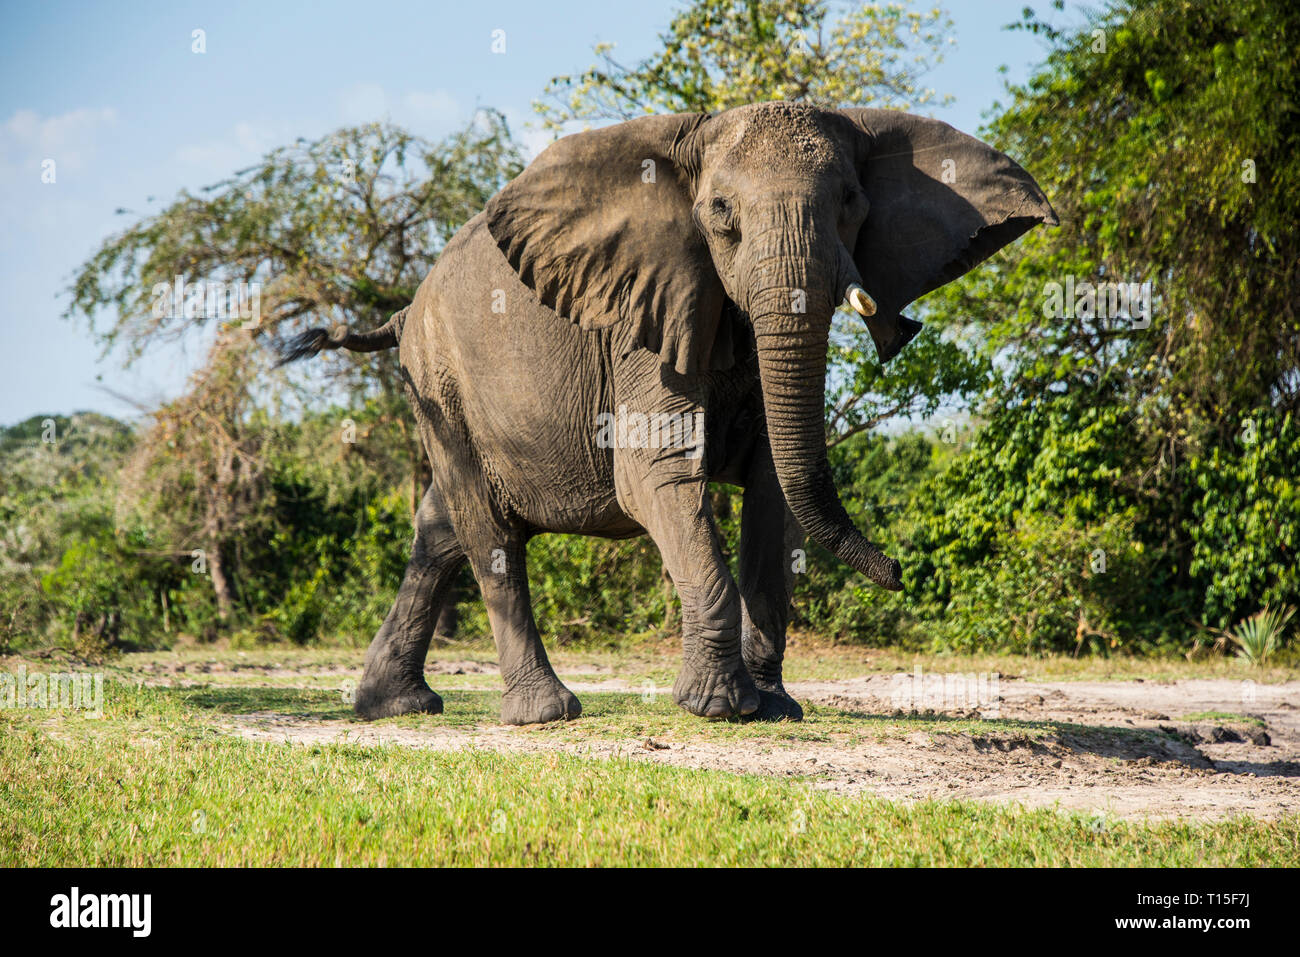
column 784, row 209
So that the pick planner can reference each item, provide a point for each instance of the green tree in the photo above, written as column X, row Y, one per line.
column 1165, row 134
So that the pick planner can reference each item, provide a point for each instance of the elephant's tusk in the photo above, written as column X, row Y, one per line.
column 860, row 301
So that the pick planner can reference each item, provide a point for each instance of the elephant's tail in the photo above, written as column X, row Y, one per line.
column 313, row 341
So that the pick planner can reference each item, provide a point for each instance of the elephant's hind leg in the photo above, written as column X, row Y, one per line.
column 393, row 681
column 533, row 694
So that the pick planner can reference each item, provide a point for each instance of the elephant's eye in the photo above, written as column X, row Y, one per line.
column 855, row 206
column 722, row 211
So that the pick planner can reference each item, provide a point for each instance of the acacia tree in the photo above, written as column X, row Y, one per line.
column 197, row 475
column 340, row 229
column 723, row 53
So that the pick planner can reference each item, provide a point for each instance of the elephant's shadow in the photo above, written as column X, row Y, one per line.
column 292, row 703
column 1049, row 738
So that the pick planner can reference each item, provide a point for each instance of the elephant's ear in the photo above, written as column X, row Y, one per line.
column 941, row 203
column 599, row 226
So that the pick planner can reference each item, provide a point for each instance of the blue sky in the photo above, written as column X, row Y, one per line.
column 113, row 94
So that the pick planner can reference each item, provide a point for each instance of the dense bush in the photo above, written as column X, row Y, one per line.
column 1041, row 536
column 1245, row 525
column 1028, row 533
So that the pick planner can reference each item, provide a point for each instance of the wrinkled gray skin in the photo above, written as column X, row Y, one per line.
column 670, row 264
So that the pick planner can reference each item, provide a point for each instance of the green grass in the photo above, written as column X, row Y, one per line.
column 1225, row 717
column 153, row 783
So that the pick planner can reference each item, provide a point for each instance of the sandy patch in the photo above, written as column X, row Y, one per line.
column 1185, row 767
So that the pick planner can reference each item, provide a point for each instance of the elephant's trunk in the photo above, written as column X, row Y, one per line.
column 792, row 366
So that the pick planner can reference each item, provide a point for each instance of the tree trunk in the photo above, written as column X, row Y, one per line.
column 220, row 582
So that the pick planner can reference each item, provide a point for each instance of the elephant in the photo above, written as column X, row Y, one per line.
column 678, row 272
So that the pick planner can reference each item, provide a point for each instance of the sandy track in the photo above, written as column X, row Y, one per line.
column 1198, row 769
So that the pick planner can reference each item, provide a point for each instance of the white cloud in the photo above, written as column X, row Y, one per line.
column 70, row 139
column 425, row 113
column 31, row 205
column 244, row 145
column 437, row 110
column 431, row 113
column 363, row 103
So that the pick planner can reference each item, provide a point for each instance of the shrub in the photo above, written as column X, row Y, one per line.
column 1260, row 635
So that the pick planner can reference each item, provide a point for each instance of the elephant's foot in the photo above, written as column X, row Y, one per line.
column 374, row 703
column 775, row 704
column 537, row 702
column 714, row 692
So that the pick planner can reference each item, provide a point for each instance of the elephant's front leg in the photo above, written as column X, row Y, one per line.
column 674, row 509
column 769, row 538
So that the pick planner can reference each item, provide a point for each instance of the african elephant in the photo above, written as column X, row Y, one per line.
column 645, row 280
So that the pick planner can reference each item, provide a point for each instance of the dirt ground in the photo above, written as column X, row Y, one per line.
column 1200, row 761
